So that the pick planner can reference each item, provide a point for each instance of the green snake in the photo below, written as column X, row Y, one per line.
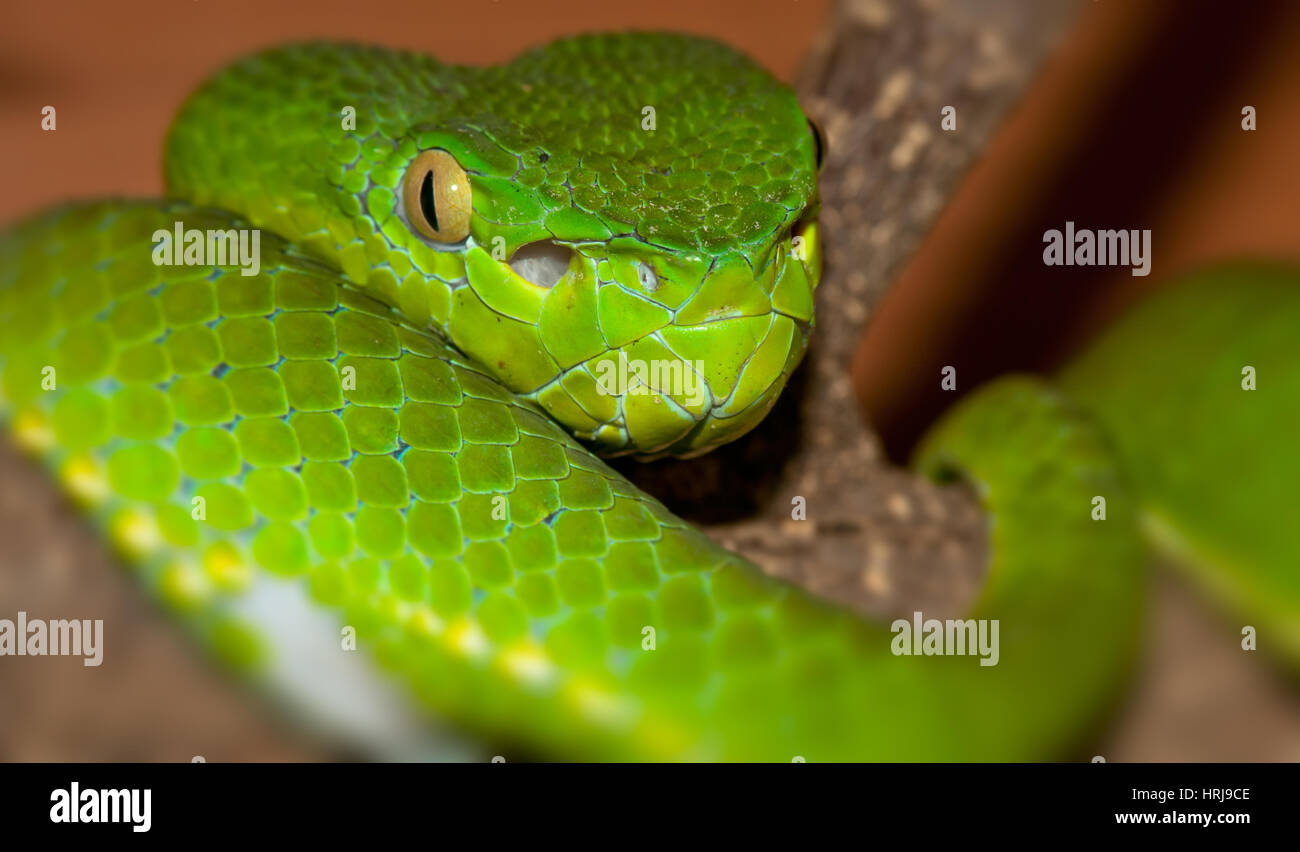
column 470, row 284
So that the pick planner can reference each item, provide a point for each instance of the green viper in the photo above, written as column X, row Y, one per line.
column 364, row 435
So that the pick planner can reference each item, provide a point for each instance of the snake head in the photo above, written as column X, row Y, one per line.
column 622, row 228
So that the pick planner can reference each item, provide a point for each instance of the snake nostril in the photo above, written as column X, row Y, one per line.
column 542, row 263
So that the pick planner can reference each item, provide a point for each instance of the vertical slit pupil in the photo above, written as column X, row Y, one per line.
column 427, row 206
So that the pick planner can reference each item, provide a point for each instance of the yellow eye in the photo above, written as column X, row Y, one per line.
column 437, row 195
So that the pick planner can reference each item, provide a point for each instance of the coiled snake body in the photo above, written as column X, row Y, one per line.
column 612, row 234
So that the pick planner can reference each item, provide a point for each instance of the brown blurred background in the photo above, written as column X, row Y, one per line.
column 118, row 72
column 1136, row 122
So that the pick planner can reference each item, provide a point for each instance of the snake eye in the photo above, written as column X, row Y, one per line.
column 819, row 142
column 437, row 196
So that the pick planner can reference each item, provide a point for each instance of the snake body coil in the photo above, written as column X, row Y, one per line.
column 366, row 428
